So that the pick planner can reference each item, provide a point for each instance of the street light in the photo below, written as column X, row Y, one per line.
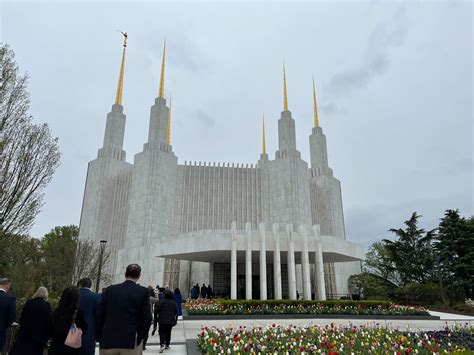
column 101, row 255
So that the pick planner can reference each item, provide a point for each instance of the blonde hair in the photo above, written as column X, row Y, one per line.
column 41, row 292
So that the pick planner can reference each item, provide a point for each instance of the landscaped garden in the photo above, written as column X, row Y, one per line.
column 339, row 307
column 332, row 340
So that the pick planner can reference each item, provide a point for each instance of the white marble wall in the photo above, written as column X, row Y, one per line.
column 136, row 207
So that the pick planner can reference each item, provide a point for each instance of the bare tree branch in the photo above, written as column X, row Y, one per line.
column 29, row 154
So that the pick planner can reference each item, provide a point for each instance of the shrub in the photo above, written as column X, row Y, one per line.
column 241, row 307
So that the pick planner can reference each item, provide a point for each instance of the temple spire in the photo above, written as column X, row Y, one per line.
column 285, row 96
column 315, row 107
column 264, row 144
column 168, row 135
column 161, row 92
column 118, row 95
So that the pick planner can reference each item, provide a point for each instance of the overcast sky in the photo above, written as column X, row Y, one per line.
column 394, row 86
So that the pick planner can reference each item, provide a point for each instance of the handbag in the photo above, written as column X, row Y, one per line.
column 74, row 336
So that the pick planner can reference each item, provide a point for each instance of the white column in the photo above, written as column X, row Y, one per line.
column 248, row 261
column 276, row 264
column 305, row 264
column 320, row 285
column 291, row 263
column 233, row 263
column 263, row 262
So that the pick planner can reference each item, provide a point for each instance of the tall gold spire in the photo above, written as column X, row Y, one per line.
column 264, row 144
column 285, row 96
column 315, row 107
column 168, row 134
column 161, row 92
column 118, row 95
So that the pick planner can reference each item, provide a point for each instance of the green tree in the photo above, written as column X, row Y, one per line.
column 372, row 287
column 21, row 257
column 378, row 262
column 411, row 252
column 455, row 247
column 58, row 248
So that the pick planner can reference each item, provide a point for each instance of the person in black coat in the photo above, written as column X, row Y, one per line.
column 7, row 310
column 124, row 316
column 34, row 325
column 89, row 305
column 167, row 318
column 67, row 312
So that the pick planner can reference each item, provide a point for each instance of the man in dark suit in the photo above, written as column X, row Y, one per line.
column 124, row 316
column 7, row 310
column 88, row 304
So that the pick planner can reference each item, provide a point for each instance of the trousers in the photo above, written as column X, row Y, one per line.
column 138, row 350
column 165, row 334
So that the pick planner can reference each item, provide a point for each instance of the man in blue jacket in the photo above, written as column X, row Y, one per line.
column 7, row 310
column 89, row 305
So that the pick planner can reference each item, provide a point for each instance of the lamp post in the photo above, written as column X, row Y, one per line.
column 101, row 255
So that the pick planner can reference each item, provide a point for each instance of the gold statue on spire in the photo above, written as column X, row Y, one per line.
column 118, row 95
column 264, row 144
column 168, row 134
column 285, row 96
column 161, row 92
column 315, row 107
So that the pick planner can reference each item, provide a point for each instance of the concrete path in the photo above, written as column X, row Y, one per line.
column 451, row 316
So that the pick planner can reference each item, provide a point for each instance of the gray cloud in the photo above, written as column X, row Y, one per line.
column 383, row 38
column 205, row 118
column 330, row 108
column 182, row 52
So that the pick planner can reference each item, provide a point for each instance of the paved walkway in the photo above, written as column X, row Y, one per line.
column 188, row 329
column 451, row 316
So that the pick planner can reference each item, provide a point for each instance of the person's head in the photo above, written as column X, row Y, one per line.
column 157, row 287
column 177, row 291
column 86, row 282
column 168, row 295
column 69, row 301
column 167, row 287
column 5, row 284
column 41, row 292
column 209, row 285
column 133, row 272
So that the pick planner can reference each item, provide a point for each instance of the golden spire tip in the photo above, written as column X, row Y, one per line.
column 264, row 144
column 118, row 95
column 161, row 91
column 285, row 96
column 315, row 106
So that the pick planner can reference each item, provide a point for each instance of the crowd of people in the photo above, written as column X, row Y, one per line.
column 119, row 318
column 203, row 292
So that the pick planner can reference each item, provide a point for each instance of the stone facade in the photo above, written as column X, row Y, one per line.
column 139, row 208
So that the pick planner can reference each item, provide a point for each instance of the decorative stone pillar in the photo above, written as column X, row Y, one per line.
column 233, row 263
column 305, row 263
column 291, row 263
column 263, row 262
column 248, row 261
column 320, row 285
column 277, row 294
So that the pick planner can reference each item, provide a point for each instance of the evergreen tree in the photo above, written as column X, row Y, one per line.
column 411, row 253
column 455, row 246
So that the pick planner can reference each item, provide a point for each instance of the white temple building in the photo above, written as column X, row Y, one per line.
column 218, row 223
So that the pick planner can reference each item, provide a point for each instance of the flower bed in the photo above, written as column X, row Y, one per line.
column 332, row 340
column 203, row 306
column 241, row 307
